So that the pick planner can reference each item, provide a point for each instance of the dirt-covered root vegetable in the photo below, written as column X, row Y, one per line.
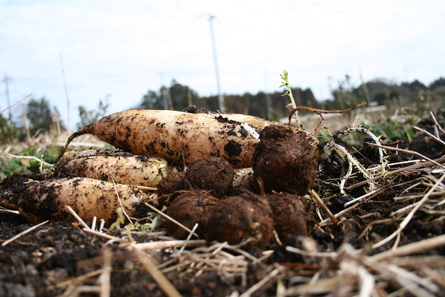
column 246, row 218
column 253, row 121
column 120, row 168
column 172, row 183
column 190, row 208
column 176, row 136
column 292, row 215
column 47, row 200
column 211, row 173
column 285, row 160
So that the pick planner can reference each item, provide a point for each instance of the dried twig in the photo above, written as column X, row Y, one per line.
column 430, row 135
column 406, row 152
column 322, row 205
column 79, row 219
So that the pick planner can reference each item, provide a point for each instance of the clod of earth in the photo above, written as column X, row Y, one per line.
column 246, row 218
column 285, row 160
column 190, row 208
column 167, row 187
column 211, row 173
column 292, row 215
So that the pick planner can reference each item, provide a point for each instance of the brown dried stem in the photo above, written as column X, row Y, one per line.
column 320, row 112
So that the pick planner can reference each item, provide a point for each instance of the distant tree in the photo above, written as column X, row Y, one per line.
column 39, row 115
column 438, row 83
column 151, row 100
column 414, row 86
column 346, row 95
column 182, row 95
column 9, row 130
column 88, row 117
column 177, row 95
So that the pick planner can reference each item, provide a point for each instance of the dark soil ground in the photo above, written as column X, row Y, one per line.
column 60, row 259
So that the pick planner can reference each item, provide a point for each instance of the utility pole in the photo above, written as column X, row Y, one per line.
column 268, row 100
column 166, row 95
column 6, row 81
column 220, row 97
column 66, row 93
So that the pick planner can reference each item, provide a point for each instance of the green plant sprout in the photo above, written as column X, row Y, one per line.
column 331, row 146
column 156, row 224
column 288, row 92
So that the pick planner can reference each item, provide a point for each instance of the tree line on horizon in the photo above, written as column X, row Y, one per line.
column 273, row 105
column 41, row 118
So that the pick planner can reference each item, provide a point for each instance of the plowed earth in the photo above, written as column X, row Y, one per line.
column 60, row 259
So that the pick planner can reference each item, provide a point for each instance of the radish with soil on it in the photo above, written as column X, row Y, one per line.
column 178, row 136
column 120, row 167
column 89, row 198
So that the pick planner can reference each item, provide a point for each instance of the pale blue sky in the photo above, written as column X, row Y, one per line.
column 125, row 48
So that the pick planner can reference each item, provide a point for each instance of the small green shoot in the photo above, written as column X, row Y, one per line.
column 120, row 220
column 288, row 92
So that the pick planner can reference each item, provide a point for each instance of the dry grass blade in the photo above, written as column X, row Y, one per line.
column 311, row 254
column 77, row 280
column 160, row 245
column 406, row 169
column 322, row 286
column 430, row 135
column 261, row 283
column 172, row 219
column 6, row 210
column 104, row 278
column 77, row 291
column 101, row 234
column 407, row 219
column 157, row 275
column 23, row 233
column 413, row 248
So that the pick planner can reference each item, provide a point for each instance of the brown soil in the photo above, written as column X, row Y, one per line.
column 62, row 259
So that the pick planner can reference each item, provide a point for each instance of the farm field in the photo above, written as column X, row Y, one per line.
column 374, row 229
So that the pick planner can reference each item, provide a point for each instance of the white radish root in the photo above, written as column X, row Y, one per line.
column 47, row 200
column 120, row 168
column 178, row 136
